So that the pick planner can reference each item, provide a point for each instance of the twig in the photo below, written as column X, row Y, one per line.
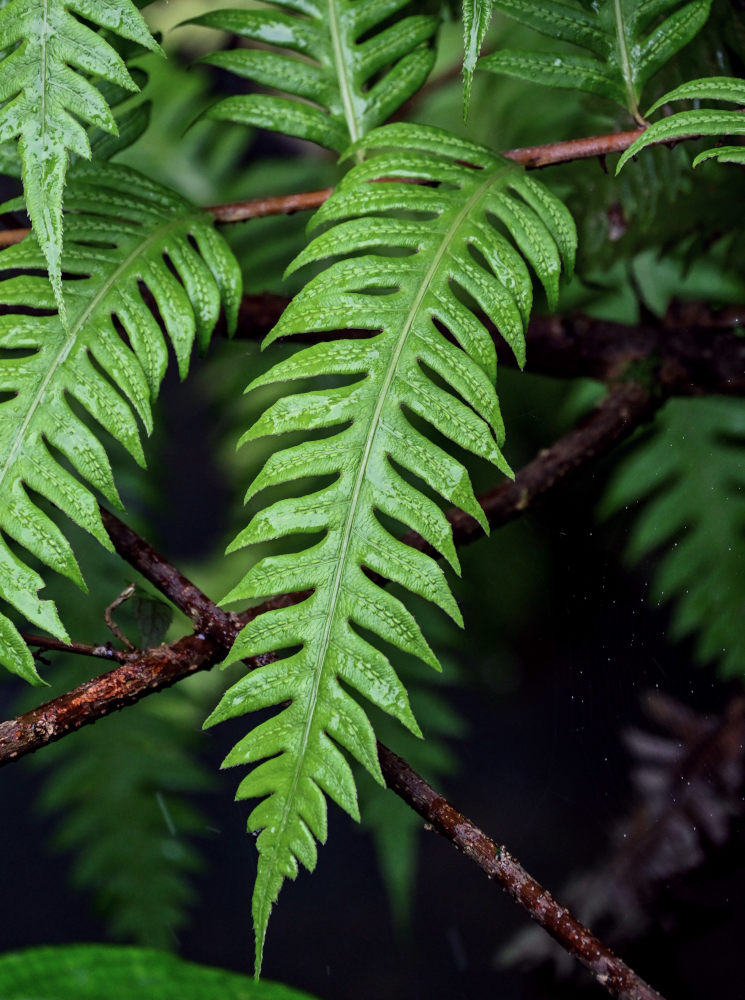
column 142, row 673
column 532, row 157
column 103, row 652
column 107, row 615
column 10, row 236
column 258, row 208
column 612, row 973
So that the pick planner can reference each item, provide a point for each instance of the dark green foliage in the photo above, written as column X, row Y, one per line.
column 119, row 791
column 689, row 478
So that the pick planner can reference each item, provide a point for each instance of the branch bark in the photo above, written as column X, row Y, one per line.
column 610, row 972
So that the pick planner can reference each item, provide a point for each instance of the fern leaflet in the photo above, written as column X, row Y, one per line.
column 453, row 249
column 116, row 239
column 339, row 87
column 44, row 90
column 690, row 479
column 476, row 17
column 699, row 121
column 628, row 42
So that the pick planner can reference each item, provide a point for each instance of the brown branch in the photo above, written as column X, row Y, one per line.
column 258, row 208
column 534, row 157
column 612, row 973
column 10, row 236
column 147, row 671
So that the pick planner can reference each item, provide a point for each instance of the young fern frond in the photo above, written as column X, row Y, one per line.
column 699, row 121
column 355, row 69
column 628, row 42
column 115, row 240
column 415, row 247
column 44, row 88
column 690, row 479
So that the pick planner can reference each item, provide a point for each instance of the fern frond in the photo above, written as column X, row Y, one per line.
column 476, row 17
column 690, row 478
column 116, row 239
column 628, row 41
column 343, row 65
column 44, row 86
column 446, row 227
column 699, row 121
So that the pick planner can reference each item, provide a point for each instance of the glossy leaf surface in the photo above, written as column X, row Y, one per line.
column 476, row 17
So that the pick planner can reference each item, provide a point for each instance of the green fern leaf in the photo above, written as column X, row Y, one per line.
column 93, row 971
column 699, row 121
column 340, row 87
column 476, row 17
column 44, row 90
column 116, row 239
column 446, row 227
column 689, row 477
column 628, row 42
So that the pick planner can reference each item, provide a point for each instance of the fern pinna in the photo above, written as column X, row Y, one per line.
column 414, row 247
column 690, row 481
column 122, row 229
column 354, row 70
column 50, row 51
column 628, row 42
column 698, row 121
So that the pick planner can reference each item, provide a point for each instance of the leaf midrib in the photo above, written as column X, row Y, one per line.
column 73, row 332
column 361, row 473
column 340, row 65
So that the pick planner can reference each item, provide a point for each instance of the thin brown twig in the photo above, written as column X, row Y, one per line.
column 105, row 651
column 609, row 970
column 532, row 157
column 258, row 208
